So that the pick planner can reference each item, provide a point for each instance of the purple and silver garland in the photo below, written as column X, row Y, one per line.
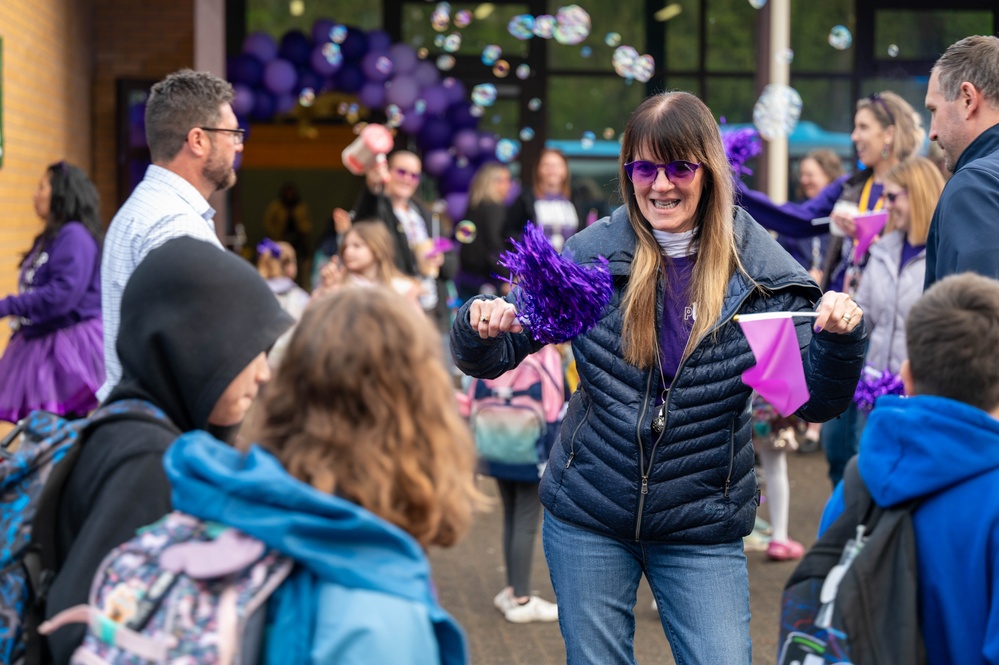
column 873, row 384
column 741, row 145
column 557, row 299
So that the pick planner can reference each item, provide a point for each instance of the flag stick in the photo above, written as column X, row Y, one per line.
column 772, row 315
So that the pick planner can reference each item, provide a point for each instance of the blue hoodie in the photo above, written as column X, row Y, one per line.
column 947, row 453
column 362, row 592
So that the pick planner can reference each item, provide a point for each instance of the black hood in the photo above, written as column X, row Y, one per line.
column 192, row 318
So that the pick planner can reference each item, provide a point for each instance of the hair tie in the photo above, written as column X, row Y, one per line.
column 268, row 246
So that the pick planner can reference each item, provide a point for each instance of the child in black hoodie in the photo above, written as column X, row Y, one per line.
column 196, row 324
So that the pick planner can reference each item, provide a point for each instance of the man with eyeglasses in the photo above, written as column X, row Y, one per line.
column 193, row 139
column 963, row 100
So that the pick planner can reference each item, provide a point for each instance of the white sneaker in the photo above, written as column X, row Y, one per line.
column 533, row 610
column 504, row 600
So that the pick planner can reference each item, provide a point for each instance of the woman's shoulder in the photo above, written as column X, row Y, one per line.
column 611, row 237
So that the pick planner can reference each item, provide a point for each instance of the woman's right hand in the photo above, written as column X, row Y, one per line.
column 491, row 318
column 845, row 223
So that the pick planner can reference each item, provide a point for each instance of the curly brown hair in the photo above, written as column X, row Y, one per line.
column 362, row 407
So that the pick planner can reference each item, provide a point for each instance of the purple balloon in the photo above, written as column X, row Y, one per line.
column 309, row 79
column 319, row 63
column 403, row 58
column 376, row 66
column 460, row 115
column 436, row 162
column 354, row 45
column 457, row 179
column 412, row 122
column 455, row 90
column 261, row 45
column 285, row 103
column 263, row 105
column 321, row 30
column 280, row 77
column 242, row 100
column 426, row 74
column 436, row 98
column 295, row 47
column 372, row 95
column 379, row 40
column 436, row 133
column 487, row 144
column 349, row 79
column 457, row 204
column 245, row 69
column 466, row 142
column 403, row 92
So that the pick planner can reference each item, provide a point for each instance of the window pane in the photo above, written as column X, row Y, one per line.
column 924, row 35
column 274, row 16
column 811, row 23
column 826, row 102
column 731, row 98
column 684, row 83
column 623, row 17
column 418, row 31
column 683, row 37
column 577, row 104
column 731, row 36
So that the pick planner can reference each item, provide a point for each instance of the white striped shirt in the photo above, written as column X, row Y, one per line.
column 163, row 206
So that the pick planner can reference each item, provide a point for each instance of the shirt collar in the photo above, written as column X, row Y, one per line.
column 183, row 188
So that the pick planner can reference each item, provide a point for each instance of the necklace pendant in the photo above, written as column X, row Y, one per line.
column 659, row 422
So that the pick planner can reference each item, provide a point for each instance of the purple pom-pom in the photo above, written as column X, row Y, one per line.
column 873, row 384
column 557, row 299
column 741, row 145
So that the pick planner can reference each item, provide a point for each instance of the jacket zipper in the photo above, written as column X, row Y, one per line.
column 572, row 440
column 641, row 451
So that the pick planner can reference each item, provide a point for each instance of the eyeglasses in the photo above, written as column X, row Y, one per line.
column 238, row 135
column 403, row 173
column 644, row 173
column 891, row 196
column 880, row 101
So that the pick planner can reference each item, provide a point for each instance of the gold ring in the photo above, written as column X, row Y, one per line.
column 847, row 318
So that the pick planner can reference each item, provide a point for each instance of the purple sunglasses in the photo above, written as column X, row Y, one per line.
column 644, row 173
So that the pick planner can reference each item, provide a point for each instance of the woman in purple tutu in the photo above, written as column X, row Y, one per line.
column 55, row 358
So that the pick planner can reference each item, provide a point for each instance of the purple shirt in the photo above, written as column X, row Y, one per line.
column 60, row 284
column 678, row 319
column 909, row 252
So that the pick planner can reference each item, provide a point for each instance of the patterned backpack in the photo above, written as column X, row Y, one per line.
column 36, row 459
column 182, row 591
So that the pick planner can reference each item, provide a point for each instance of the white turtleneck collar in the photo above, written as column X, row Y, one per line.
column 677, row 245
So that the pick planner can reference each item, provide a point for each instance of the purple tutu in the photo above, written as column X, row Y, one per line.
column 59, row 372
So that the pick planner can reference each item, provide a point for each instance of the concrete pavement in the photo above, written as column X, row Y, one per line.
column 469, row 575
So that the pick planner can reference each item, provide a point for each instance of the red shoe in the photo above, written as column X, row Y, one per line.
column 789, row 550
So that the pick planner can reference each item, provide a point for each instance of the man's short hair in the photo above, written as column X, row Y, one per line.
column 952, row 335
column 974, row 59
column 182, row 101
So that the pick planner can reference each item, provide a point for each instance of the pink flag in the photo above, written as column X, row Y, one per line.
column 868, row 225
column 778, row 375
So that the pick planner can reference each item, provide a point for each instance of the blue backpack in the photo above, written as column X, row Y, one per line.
column 36, row 460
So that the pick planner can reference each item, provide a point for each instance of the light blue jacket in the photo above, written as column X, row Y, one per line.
column 945, row 453
column 362, row 592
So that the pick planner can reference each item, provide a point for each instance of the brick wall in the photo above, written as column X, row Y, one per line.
column 47, row 60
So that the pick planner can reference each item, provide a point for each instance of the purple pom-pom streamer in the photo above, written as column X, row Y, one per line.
column 557, row 299
column 741, row 145
column 873, row 384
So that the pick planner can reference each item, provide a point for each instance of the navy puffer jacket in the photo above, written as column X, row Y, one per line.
column 695, row 483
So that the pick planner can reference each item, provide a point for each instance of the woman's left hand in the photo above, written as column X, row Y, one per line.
column 838, row 313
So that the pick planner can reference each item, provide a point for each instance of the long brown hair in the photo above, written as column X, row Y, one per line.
column 671, row 126
column 566, row 185
column 376, row 236
column 362, row 407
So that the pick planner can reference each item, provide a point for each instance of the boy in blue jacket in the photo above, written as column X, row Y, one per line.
column 941, row 445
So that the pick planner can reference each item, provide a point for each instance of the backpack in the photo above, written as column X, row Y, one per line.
column 515, row 417
column 853, row 598
column 183, row 590
column 36, row 460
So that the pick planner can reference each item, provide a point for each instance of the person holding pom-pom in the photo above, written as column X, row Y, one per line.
column 652, row 473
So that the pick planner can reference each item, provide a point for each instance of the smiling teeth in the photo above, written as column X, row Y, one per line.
column 665, row 205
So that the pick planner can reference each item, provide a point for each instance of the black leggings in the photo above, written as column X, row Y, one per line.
column 521, row 516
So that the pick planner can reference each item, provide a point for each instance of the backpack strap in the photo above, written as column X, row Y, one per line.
column 41, row 560
column 857, row 498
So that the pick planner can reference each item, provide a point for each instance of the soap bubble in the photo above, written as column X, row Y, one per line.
column 331, row 51
column 892, row 50
column 307, row 97
column 441, row 17
column 840, row 38
column 501, row 69
column 777, row 111
column 462, row 18
column 523, row 71
column 521, row 26
column 757, row 4
column 534, row 104
column 452, row 42
column 338, row 33
column 572, row 25
column 587, row 141
column 484, row 94
column 507, row 150
column 612, row 39
column 784, row 56
column 585, row 52
column 465, row 231
column 608, row 133
column 526, row 134
column 491, row 54
column 544, row 26
column 445, row 62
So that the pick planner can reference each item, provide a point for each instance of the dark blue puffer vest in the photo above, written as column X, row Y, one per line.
column 695, row 483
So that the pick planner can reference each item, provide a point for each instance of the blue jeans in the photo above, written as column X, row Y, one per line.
column 841, row 440
column 702, row 592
